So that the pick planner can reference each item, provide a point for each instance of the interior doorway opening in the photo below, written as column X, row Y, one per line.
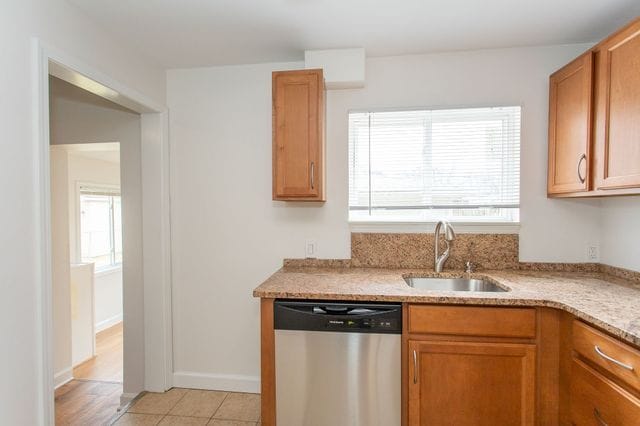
column 147, row 340
column 96, row 230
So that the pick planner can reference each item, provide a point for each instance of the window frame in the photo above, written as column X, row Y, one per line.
column 81, row 187
column 418, row 226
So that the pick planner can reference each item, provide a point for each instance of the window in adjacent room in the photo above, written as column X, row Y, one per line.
column 423, row 165
column 101, row 227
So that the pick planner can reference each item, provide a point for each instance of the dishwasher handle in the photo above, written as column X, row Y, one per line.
column 331, row 310
column 337, row 316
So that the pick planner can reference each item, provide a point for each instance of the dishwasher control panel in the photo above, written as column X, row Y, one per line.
column 338, row 316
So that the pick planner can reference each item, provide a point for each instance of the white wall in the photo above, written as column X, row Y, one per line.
column 620, row 232
column 60, row 25
column 108, row 299
column 227, row 233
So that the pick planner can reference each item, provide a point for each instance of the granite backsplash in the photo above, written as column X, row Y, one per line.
column 381, row 250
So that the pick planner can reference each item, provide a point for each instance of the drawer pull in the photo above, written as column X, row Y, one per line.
column 613, row 360
column 596, row 414
column 415, row 367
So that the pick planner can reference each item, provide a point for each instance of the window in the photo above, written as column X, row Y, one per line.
column 100, row 227
column 462, row 165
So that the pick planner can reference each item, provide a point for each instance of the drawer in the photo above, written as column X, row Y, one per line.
column 472, row 321
column 595, row 400
column 618, row 358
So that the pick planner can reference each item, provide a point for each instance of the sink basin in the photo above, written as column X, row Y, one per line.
column 452, row 284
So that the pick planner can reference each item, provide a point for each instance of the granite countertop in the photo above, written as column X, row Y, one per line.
column 608, row 302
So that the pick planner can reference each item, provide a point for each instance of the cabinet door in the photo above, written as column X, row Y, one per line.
column 471, row 383
column 618, row 110
column 597, row 401
column 298, row 135
column 570, row 114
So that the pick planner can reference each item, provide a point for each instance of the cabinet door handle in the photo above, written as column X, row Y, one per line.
column 313, row 169
column 599, row 419
column 415, row 367
column 613, row 360
column 582, row 158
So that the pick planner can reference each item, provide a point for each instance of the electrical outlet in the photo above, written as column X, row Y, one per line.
column 310, row 249
column 592, row 253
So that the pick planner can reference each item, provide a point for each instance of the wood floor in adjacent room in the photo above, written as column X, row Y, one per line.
column 106, row 366
column 87, row 402
column 93, row 397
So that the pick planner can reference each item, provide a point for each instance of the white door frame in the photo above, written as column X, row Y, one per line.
column 156, row 235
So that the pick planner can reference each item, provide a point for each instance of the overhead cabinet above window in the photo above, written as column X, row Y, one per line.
column 594, row 120
column 298, row 135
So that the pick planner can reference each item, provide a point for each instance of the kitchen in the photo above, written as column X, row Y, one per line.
column 308, row 152
column 556, row 343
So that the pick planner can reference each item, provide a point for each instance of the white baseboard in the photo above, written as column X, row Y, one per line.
column 223, row 382
column 62, row 377
column 109, row 322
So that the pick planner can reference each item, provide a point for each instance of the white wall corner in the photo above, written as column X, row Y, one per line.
column 222, row 382
column 343, row 68
column 107, row 323
column 62, row 377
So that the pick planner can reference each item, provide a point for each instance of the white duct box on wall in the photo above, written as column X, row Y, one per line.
column 343, row 68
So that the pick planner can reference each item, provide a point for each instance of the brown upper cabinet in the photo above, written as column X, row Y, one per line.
column 570, row 109
column 594, row 120
column 298, row 135
column 618, row 110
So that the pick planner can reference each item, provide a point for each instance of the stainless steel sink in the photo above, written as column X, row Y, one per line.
column 452, row 284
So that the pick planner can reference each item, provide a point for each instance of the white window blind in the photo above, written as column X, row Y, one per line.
column 424, row 165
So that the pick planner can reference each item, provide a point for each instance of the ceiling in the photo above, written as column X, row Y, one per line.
column 190, row 33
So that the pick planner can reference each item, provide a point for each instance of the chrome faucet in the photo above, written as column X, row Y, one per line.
column 449, row 236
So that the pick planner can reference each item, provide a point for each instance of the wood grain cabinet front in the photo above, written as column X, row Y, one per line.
column 618, row 110
column 594, row 120
column 570, row 109
column 619, row 359
column 298, row 135
column 470, row 365
column 471, row 383
column 597, row 401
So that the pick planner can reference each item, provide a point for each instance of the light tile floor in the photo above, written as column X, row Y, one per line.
column 194, row 407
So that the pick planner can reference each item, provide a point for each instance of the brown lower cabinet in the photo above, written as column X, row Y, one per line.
column 597, row 400
column 484, row 365
column 599, row 383
column 471, row 383
column 470, row 365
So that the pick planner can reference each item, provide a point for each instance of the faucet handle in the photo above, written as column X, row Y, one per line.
column 469, row 267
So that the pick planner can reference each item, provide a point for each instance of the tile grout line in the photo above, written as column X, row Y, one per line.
column 209, row 419
column 174, row 405
column 216, row 410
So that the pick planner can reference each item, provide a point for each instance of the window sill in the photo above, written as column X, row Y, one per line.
column 429, row 227
column 108, row 271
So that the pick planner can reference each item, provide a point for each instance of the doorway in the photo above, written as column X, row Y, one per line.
column 147, row 333
column 91, row 249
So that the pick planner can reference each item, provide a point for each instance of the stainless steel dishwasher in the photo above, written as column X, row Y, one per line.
column 337, row 364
